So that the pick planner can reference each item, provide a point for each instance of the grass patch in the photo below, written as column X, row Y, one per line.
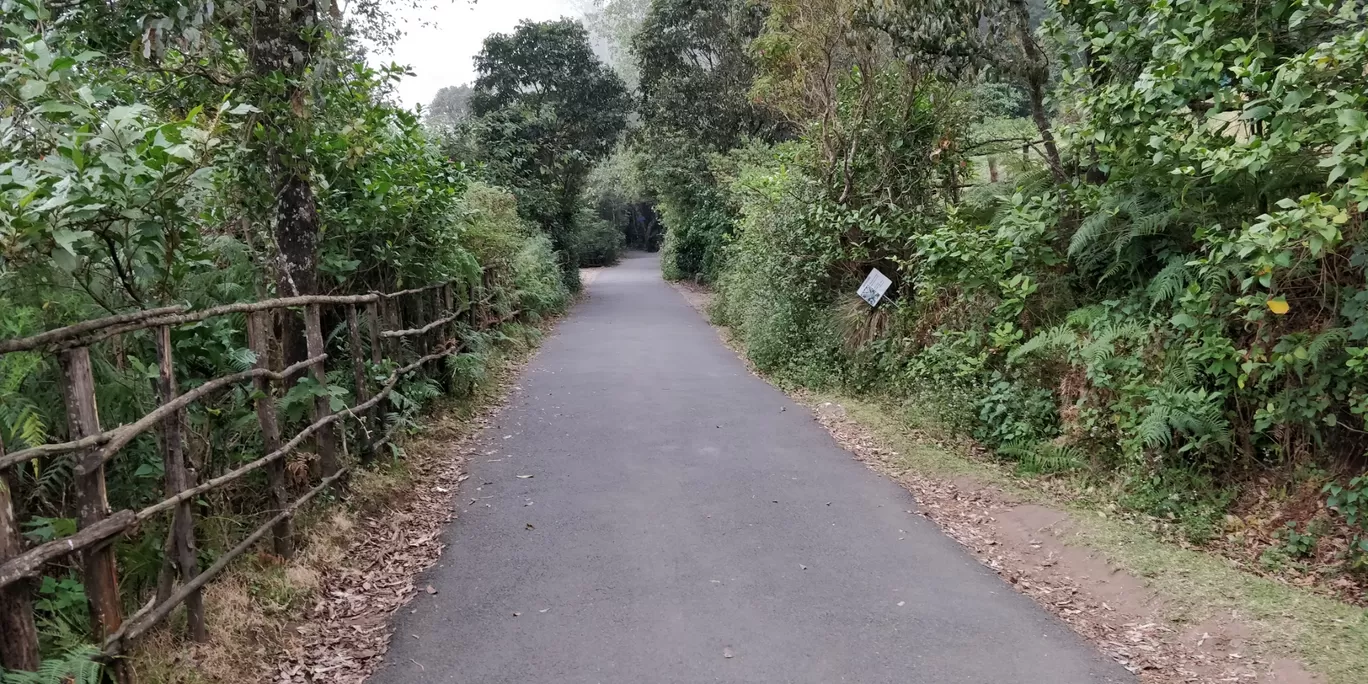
column 1330, row 637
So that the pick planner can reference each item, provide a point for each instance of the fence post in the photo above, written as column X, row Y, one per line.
column 19, row 645
column 177, row 481
column 326, row 441
column 259, row 339
column 421, row 341
column 359, row 377
column 377, row 413
column 449, row 299
column 98, row 566
column 392, row 311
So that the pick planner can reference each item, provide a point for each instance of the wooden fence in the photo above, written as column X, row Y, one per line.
column 98, row 528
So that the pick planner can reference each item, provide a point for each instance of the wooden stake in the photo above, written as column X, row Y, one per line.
column 390, row 312
column 98, row 566
column 421, row 342
column 326, row 441
column 258, row 336
column 177, row 481
column 18, row 634
column 376, row 415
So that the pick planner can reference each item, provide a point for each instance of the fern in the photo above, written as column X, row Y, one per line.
column 1326, row 341
column 76, row 666
column 1045, row 458
column 1112, row 240
column 1168, row 282
column 240, row 359
column 1182, row 368
column 1082, row 244
column 1154, row 431
column 1085, row 317
column 1056, row 337
column 1196, row 414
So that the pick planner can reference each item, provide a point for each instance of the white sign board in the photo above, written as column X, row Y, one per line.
column 874, row 287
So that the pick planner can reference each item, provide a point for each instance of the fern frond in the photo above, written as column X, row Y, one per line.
column 1326, row 341
column 1058, row 336
column 1154, row 431
column 76, row 666
column 241, row 359
column 1082, row 246
column 1086, row 316
column 1168, row 282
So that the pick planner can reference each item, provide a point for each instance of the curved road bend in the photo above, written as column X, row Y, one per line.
column 685, row 522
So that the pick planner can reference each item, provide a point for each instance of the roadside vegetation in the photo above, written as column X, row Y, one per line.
column 200, row 153
column 1125, row 238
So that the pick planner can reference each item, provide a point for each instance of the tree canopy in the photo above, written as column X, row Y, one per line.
column 547, row 109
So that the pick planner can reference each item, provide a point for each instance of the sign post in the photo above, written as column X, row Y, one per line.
column 874, row 286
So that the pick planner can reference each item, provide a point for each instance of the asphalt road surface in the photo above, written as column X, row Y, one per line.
column 648, row 512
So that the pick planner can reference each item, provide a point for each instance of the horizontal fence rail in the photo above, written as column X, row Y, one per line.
column 433, row 336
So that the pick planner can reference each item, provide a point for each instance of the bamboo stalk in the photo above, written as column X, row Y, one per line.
column 114, row 644
column 378, row 413
column 46, row 338
column 359, row 377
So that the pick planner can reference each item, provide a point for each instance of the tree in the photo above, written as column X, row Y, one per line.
column 696, row 76
column 696, row 72
column 548, row 109
column 613, row 25
column 957, row 37
column 450, row 106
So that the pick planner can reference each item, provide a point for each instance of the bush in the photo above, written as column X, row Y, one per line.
column 597, row 242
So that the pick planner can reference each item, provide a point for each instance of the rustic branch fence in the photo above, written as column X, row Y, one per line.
column 434, row 337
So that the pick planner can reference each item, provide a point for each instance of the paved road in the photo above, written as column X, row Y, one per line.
column 688, row 523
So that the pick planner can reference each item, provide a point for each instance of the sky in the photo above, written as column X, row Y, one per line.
column 442, row 54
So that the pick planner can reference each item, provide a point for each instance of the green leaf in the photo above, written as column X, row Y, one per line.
column 32, row 89
column 243, row 109
column 66, row 239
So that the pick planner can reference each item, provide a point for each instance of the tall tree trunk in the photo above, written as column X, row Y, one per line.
column 1037, row 74
column 281, row 36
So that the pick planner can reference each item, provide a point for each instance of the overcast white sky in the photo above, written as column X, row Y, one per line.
column 441, row 55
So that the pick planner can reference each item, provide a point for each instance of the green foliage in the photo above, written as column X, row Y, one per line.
column 1161, row 268
column 61, row 613
column 156, row 153
column 597, row 242
column 695, row 75
column 1010, row 414
column 1350, row 501
column 1296, row 544
column 76, row 666
column 547, row 111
